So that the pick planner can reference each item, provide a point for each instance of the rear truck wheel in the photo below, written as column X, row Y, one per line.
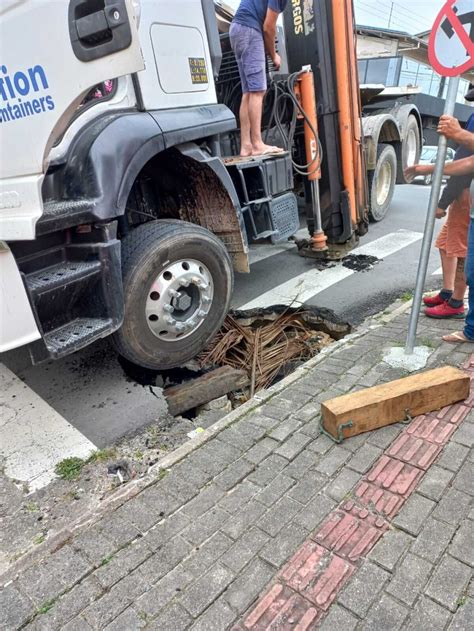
column 408, row 151
column 178, row 281
column 382, row 182
column 427, row 180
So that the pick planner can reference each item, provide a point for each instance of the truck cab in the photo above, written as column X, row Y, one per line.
column 123, row 211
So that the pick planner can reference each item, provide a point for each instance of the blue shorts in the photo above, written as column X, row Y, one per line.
column 249, row 50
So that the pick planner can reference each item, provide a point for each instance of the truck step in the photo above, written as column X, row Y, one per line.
column 76, row 335
column 58, row 215
column 60, row 275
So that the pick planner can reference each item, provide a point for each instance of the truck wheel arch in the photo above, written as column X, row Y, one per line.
column 379, row 128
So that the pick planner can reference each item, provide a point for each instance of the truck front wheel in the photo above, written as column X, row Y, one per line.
column 382, row 182
column 178, row 281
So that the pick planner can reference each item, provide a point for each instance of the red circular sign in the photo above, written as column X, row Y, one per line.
column 451, row 25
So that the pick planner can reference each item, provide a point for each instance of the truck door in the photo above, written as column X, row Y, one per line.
column 51, row 54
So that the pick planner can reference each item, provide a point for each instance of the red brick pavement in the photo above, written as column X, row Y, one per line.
column 308, row 584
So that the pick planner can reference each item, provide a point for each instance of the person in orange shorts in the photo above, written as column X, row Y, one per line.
column 452, row 245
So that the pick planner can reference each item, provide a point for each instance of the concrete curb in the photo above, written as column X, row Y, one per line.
column 134, row 487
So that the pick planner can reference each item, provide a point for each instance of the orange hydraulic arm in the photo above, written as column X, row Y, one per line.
column 348, row 96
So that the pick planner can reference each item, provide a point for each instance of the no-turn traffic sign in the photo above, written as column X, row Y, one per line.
column 451, row 45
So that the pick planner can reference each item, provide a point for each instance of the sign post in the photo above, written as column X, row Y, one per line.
column 451, row 52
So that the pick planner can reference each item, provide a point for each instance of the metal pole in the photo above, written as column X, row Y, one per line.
column 390, row 16
column 430, row 221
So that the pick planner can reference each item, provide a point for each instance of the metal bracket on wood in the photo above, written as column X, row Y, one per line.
column 340, row 435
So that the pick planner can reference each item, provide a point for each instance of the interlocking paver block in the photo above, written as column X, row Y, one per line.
column 219, row 616
column 395, row 476
column 273, row 491
column 448, row 582
column 279, row 606
column 122, row 563
column 435, row 482
column 293, row 446
column 463, row 617
column 343, row 483
column 409, row 579
column 278, row 549
column 244, row 549
column 333, row 461
column 464, row 480
column 173, row 618
column 338, row 619
column 207, row 498
column 385, row 614
column 166, row 530
column 267, row 470
column 15, row 608
column 166, row 558
column 285, row 429
column 414, row 514
column 314, row 512
column 364, row 458
column 316, row 574
column 391, row 547
column 433, row 539
column 246, row 517
column 205, row 590
column 127, row 621
column 376, row 499
column 462, row 547
column 431, row 428
column 278, row 515
column 163, row 592
column 415, row 451
column 248, row 585
column 203, row 557
column 298, row 468
column 234, row 474
column 364, row 588
column 307, row 487
column 428, row 616
column 238, row 496
column 349, row 536
column 203, row 527
column 453, row 456
column 465, row 435
column 453, row 507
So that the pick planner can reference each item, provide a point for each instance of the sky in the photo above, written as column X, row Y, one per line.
column 412, row 16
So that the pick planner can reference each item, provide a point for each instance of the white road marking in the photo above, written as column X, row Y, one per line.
column 438, row 272
column 33, row 436
column 310, row 283
column 261, row 252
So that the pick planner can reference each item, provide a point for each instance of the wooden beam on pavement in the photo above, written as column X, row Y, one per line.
column 394, row 401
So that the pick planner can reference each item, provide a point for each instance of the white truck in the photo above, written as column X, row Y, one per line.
column 118, row 214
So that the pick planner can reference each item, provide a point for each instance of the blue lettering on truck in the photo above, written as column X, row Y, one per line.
column 15, row 88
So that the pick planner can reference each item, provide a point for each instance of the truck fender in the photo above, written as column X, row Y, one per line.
column 212, row 201
column 379, row 128
column 401, row 114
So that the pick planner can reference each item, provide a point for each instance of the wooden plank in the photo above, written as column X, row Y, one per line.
column 212, row 385
column 388, row 403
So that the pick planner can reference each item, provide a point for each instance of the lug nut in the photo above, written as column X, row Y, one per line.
column 168, row 308
column 185, row 282
column 173, row 293
column 180, row 326
column 201, row 313
column 206, row 300
column 170, row 321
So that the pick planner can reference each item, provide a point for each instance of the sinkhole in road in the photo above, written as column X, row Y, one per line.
column 253, row 350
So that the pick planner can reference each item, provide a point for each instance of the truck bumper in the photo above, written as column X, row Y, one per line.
column 17, row 322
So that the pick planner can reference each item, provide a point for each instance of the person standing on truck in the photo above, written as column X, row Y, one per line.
column 452, row 241
column 252, row 33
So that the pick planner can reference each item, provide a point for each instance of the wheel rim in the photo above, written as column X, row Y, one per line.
column 411, row 148
column 384, row 182
column 179, row 300
column 428, row 179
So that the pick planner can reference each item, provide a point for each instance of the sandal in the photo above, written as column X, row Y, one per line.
column 457, row 338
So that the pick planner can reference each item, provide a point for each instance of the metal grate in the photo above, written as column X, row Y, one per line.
column 77, row 334
column 61, row 274
column 284, row 213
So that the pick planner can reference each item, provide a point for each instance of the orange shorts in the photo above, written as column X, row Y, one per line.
column 453, row 236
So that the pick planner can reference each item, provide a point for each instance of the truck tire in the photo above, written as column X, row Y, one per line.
column 408, row 151
column 178, row 282
column 382, row 182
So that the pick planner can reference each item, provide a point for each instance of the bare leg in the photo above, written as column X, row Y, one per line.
column 460, row 285
column 448, row 264
column 245, row 142
column 255, row 114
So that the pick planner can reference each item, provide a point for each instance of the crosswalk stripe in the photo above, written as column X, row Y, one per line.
column 33, row 436
column 303, row 287
column 259, row 253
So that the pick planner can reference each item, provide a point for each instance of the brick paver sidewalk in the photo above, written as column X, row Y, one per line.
column 270, row 525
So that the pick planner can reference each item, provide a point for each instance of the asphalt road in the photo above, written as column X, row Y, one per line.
column 91, row 391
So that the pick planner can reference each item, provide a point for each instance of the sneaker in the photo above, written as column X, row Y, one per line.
column 445, row 310
column 433, row 301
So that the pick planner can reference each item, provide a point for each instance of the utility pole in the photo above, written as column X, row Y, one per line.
column 390, row 16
